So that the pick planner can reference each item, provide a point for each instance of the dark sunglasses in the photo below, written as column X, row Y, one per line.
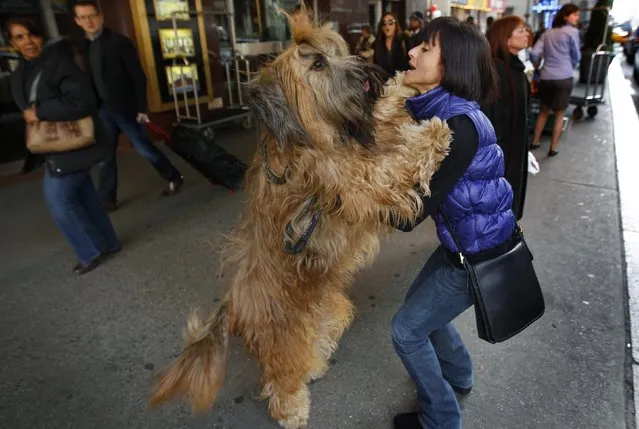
column 388, row 22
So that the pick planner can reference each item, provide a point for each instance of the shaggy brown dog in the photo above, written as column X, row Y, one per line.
column 339, row 156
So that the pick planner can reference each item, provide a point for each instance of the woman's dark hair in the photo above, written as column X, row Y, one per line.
column 468, row 70
column 499, row 33
column 560, row 18
column 27, row 23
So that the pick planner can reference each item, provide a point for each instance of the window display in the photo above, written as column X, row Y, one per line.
column 185, row 78
column 177, row 45
column 171, row 54
column 165, row 8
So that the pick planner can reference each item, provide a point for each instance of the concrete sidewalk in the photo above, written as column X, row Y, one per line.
column 79, row 352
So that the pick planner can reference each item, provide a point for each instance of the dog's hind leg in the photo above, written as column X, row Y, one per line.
column 284, row 351
column 332, row 317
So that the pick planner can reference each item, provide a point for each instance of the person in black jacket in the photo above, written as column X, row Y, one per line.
column 120, row 84
column 509, row 114
column 49, row 86
column 390, row 48
column 416, row 26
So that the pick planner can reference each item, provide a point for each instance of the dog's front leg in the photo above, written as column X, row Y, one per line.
column 389, row 184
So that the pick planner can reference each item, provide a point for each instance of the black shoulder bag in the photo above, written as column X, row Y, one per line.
column 505, row 289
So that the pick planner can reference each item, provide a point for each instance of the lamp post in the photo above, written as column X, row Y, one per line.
column 48, row 19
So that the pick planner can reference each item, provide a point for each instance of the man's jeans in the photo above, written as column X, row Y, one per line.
column 79, row 214
column 428, row 344
column 115, row 124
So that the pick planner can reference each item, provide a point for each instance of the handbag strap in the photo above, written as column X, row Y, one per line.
column 33, row 93
column 462, row 259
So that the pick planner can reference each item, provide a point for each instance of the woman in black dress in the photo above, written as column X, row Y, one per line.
column 509, row 114
column 390, row 48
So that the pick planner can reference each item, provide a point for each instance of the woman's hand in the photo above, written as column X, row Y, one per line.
column 30, row 115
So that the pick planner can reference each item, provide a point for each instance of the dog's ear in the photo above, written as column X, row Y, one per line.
column 269, row 105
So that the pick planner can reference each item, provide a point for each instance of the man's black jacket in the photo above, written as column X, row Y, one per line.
column 119, row 71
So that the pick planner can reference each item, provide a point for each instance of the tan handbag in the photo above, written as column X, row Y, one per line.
column 58, row 136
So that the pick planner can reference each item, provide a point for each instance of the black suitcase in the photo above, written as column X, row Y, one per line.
column 198, row 148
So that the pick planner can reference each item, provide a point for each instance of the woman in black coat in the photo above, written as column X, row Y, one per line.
column 390, row 47
column 49, row 86
column 509, row 114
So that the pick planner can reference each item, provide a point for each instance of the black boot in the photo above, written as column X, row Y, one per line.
column 407, row 421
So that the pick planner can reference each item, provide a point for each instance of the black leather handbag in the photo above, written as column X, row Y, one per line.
column 505, row 289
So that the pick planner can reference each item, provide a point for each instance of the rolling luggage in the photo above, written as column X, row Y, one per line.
column 198, row 148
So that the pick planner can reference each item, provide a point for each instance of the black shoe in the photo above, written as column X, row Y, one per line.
column 553, row 152
column 407, row 421
column 535, row 146
column 462, row 390
column 106, row 253
column 111, row 206
column 173, row 188
column 85, row 267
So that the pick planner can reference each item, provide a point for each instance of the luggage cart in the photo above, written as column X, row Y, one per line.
column 192, row 116
column 591, row 94
column 595, row 88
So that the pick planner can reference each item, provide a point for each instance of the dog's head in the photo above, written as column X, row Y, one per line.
column 316, row 91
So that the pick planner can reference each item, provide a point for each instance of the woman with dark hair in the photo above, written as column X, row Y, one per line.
column 453, row 71
column 390, row 48
column 49, row 86
column 560, row 51
column 509, row 113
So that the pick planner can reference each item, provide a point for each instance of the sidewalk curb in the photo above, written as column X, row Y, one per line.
column 626, row 138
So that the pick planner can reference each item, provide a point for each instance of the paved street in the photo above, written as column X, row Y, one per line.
column 80, row 352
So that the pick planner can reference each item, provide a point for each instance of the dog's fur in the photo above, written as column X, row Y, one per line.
column 361, row 155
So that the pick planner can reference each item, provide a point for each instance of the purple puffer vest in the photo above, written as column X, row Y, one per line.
column 479, row 206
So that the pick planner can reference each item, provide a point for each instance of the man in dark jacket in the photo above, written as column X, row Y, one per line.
column 120, row 84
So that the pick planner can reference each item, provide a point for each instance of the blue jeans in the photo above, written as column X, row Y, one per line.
column 115, row 124
column 429, row 345
column 79, row 214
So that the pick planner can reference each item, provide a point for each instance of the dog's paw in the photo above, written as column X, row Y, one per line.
column 297, row 409
column 295, row 422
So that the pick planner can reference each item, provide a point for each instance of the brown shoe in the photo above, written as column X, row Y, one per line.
column 173, row 188
column 85, row 267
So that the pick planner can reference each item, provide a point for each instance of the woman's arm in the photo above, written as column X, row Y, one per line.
column 575, row 50
column 537, row 51
column 462, row 150
column 76, row 99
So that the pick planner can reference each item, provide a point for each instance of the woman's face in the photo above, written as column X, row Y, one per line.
column 389, row 25
column 518, row 40
column 573, row 19
column 425, row 71
column 28, row 45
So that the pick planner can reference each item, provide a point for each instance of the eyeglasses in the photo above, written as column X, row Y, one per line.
column 388, row 22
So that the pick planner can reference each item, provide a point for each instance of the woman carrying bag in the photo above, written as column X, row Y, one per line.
column 509, row 113
column 482, row 260
column 60, row 113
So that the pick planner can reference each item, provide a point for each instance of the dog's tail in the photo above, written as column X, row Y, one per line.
column 199, row 371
